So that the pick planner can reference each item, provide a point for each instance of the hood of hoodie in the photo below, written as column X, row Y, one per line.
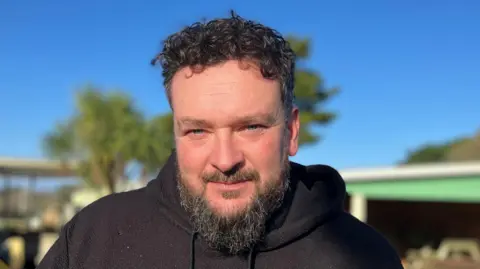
column 316, row 194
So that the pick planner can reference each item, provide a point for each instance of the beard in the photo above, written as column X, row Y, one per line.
column 238, row 232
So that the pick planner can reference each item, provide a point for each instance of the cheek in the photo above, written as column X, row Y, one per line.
column 191, row 163
column 266, row 156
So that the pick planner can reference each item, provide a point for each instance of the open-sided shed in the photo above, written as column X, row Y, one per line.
column 415, row 205
column 33, row 170
column 442, row 182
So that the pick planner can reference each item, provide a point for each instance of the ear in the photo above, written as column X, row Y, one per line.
column 294, row 130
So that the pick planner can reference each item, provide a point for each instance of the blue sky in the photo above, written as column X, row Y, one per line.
column 409, row 70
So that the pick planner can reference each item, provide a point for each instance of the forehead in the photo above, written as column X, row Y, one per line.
column 222, row 91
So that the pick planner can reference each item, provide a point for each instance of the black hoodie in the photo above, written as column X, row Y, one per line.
column 147, row 228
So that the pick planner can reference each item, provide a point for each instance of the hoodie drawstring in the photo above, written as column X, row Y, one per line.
column 192, row 253
column 192, row 250
column 250, row 258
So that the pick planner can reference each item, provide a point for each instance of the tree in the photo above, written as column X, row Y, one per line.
column 105, row 134
column 466, row 150
column 460, row 149
column 427, row 154
column 310, row 94
column 156, row 144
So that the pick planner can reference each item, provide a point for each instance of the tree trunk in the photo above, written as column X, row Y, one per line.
column 111, row 177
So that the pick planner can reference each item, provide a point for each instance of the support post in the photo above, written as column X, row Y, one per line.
column 358, row 206
column 31, row 188
column 7, row 196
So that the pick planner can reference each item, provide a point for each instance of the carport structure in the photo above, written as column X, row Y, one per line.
column 33, row 170
column 417, row 204
column 26, row 246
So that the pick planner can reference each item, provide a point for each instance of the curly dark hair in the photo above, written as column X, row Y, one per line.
column 205, row 44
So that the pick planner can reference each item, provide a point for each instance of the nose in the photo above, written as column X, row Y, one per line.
column 226, row 157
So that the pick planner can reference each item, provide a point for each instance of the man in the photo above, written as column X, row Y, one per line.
column 228, row 197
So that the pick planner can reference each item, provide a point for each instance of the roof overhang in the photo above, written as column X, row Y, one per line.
column 38, row 168
column 446, row 182
column 405, row 172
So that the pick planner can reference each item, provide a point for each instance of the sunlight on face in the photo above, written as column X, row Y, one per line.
column 230, row 134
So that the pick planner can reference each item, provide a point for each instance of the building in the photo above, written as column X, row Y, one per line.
column 415, row 205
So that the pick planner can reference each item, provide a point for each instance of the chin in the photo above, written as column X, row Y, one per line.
column 229, row 201
column 229, row 207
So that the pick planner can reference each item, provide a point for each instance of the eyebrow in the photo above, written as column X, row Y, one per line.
column 192, row 122
column 267, row 118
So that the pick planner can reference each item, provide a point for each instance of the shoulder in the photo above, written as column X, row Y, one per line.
column 357, row 245
column 116, row 204
column 111, row 212
column 376, row 250
column 95, row 229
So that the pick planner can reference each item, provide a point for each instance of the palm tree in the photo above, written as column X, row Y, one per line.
column 102, row 136
column 156, row 144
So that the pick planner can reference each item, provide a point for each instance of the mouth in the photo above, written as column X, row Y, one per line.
column 234, row 182
column 230, row 185
column 230, row 182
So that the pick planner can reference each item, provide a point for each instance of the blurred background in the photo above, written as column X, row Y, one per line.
column 389, row 93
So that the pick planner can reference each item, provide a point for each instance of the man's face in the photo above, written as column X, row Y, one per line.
column 232, row 143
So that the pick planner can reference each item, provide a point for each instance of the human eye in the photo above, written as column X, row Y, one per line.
column 195, row 133
column 254, row 128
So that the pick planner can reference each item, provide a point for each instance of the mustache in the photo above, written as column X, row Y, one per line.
column 238, row 176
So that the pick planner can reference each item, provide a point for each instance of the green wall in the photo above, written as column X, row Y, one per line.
column 460, row 189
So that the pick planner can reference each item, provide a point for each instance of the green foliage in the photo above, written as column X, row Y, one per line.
column 427, row 154
column 465, row 150
column 157, row 144
column 310, row 94
column 461, row 149
column 59, row 142
column 105, row 134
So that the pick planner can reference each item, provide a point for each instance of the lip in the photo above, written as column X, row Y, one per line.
column 232, row 183
column 229, row 185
